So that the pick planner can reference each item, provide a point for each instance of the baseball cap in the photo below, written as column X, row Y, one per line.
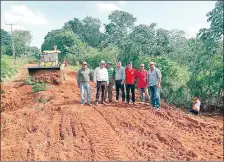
column 109, row 63
column 142, row 65
column 84, row 63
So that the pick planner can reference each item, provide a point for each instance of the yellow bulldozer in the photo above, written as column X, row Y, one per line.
column 48, row 69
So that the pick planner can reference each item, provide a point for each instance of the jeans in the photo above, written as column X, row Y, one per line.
column 118, row 87
column 132, row 88
column 155, row 95
column 85, row 87
column 108, row 92
column 101, row 85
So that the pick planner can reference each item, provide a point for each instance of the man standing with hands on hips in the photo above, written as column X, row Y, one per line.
column 154, row 78
column 101, row 79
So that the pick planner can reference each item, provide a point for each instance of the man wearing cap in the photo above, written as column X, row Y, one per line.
column 101, row 79
column 131, row 74
column 84, row 76
column 119, row 81
column 109, row 88
column 154, row 81
column 142, row 77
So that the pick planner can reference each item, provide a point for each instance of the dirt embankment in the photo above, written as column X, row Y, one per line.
column 52, row 125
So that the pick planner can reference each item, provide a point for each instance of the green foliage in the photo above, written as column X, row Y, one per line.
column 22, row 39
column 107, row 54
column 87, row 29
column 5, row 42
column 6, row 70
column 37, row 87
column 62, row 38
column 28, row 81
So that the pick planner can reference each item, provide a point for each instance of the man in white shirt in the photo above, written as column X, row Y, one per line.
column 101, row 79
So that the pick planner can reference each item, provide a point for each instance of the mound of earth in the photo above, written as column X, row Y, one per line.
column 48, row 76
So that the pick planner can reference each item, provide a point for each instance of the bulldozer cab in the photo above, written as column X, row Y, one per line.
column 48, row 67
column 49, row 58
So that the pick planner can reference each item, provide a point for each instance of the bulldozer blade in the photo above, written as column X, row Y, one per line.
column 45, row 74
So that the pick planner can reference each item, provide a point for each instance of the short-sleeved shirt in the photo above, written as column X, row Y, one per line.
column 142, row 77
column 153, row 76
column 130, row 75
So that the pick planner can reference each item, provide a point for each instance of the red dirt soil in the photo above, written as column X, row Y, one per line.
column 52, row 125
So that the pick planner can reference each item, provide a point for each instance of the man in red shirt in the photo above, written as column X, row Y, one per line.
column 142, row 77
column 131, row 74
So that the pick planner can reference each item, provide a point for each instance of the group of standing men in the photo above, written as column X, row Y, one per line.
column 148, row 83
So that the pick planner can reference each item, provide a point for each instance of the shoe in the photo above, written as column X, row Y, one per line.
column 103, row 102
column 117, row 100
column 89, row 104
column 134, row 103
column 96, row 102
column 82, row 104
column 123, row 102
column 127, row 103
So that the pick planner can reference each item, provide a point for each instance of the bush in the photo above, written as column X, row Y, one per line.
column 107, row 54
column 28, row 81
column 6, row 70
column 37, row 87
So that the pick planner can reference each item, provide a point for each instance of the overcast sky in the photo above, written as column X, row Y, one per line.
column 40, row 17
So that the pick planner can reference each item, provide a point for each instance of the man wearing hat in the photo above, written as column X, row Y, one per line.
column 84, row 76
column 101, row 79
column 154, row 81
column 109, row 88
column 131, row 74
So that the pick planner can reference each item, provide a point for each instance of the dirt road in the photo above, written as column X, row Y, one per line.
column 52, row 125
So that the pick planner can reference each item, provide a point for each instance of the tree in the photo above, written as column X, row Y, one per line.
column 62, row 38
column 22, row 40
column 5, row 43
column 121, row 25
column 87, row 29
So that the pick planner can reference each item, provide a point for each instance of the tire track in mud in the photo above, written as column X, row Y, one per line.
column 102, row 138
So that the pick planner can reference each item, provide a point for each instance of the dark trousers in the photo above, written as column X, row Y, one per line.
column 118, row 87
column 132, row 88
column 101, row 85
column 193, row 111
